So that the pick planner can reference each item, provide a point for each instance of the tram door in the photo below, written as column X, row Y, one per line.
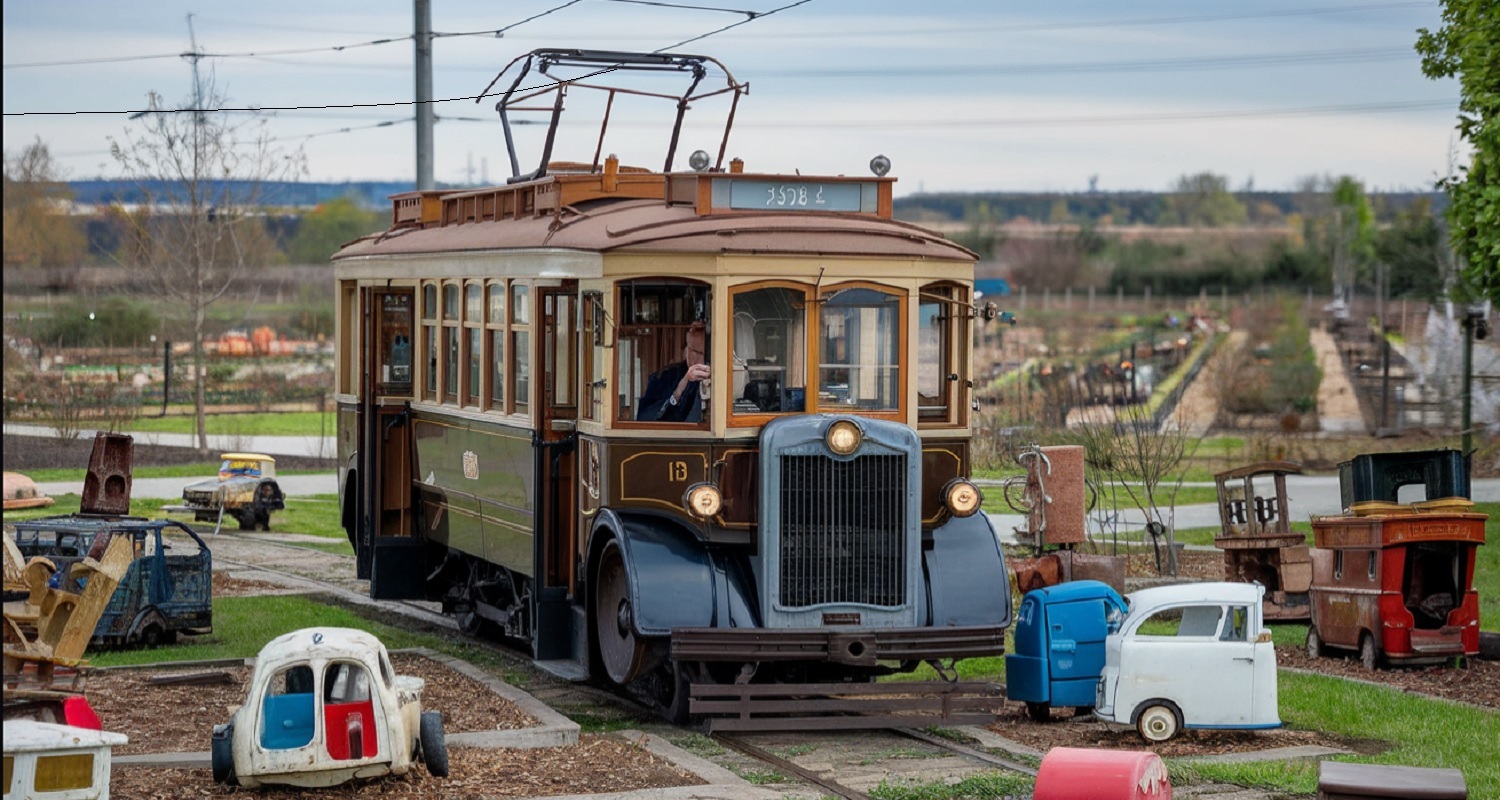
column 556, row 526
column 385, row 543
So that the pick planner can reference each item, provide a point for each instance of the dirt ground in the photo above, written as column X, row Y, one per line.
column 130, row 704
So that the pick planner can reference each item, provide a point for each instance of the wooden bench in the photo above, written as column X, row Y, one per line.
column 1341, row 781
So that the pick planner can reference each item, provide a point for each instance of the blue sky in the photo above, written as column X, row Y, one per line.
column 961, row 96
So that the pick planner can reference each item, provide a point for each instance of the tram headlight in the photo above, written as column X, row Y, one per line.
column 962, row 497
column 843, row 437
column 703, row 500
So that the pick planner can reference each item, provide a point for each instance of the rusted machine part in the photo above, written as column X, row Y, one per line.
column 1067, row 495
column 1258, row 542
column 106, row 488
column 1063, row 566
column 21, row 492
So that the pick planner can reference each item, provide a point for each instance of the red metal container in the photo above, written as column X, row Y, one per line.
column 1072, row 773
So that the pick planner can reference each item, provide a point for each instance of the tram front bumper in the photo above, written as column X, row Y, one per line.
column 851, row 646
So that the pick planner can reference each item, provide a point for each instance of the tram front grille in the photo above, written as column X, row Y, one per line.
column 843, row 537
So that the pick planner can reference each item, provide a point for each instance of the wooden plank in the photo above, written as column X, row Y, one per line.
column 69, row 636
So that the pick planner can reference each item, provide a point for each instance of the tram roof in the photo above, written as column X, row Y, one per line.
column 591, row 220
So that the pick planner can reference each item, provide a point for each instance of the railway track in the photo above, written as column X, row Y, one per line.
column 837, row 763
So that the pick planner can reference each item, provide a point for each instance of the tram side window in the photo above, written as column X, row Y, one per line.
column 937, row 323
column 395, row 342
column 473, row 342
column 860, row 364
column 663, row 331
column 770, row 359
column 429, row 341
column 450, row 343
column 520, row 345
column 495, row 324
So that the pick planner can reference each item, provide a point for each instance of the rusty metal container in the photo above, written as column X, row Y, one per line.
column 106, row 488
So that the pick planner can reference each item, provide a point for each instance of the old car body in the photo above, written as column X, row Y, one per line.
column 325, row 706
column 1190, row 656
column 1393, row 576
column 1256, row 536
column 167, row 590
column 246, row 490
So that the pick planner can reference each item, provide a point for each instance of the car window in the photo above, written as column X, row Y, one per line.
column 1237, row 626
column 236, row 469
column 1178, row 621
column 287, row 711
column 346, row 683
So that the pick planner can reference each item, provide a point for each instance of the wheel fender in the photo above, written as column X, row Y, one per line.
column 672, row 576
column 1135, row 713
column 146, row 616
column 967, row 582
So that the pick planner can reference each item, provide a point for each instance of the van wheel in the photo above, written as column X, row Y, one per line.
column 1314, row 643
column 222, row 755
column 1039, row 712
column 1369, row 658
column 1158, row 723
column 434, row 746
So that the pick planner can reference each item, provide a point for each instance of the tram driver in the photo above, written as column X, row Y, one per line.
column 677, row 392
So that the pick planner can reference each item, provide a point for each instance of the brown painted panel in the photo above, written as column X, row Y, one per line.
column 942, row 461
column 656, row 474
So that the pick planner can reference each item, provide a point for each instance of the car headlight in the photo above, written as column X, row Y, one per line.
column 962, row 497
column 843, row 437
column 703, row 500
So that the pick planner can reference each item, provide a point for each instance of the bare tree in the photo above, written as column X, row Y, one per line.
column 1142, row 460
column 39, row 232
column 200, row 173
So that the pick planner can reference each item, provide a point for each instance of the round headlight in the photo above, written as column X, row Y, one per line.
column 962, row 498
column 703, row 500
column 844, row 437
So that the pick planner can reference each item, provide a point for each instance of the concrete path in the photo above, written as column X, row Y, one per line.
column 1338, row 407
column 1199, row 407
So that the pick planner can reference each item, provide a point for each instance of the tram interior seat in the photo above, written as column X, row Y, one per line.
column 765, row 393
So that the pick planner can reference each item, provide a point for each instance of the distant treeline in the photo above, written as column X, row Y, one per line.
column 1120, row 208
column 298, row 194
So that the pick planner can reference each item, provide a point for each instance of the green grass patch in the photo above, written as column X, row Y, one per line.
column 315, row 515
column 979, row 786
column 188, row 472
column 243, row 625
column 280, row 423
column 1487, row 570
column 1421, row 732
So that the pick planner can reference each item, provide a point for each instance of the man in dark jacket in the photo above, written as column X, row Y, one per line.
column 673, row 394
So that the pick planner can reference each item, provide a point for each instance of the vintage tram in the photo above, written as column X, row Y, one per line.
column 676, row 429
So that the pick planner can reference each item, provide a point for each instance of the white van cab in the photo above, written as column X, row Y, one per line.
column 1193, row 655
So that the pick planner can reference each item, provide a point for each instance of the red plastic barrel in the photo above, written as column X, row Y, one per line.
column 1073, row 773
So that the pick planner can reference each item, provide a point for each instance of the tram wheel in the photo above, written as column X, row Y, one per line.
column 622, row 652
column 677, row 691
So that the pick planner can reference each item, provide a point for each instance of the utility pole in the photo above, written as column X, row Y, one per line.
column 1474, row 327
column 423, row 44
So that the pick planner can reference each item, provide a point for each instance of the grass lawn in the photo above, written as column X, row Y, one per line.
column 315, row 515
column 280, row 423
column 188, row 472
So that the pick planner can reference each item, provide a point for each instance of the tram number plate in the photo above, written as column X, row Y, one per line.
column 795, row 196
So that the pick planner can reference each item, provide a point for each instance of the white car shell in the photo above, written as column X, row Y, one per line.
column 324, row 706
column 1204, row 661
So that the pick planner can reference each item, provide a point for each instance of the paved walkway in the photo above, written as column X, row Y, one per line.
column 1199, row 406
column 1338, row 407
